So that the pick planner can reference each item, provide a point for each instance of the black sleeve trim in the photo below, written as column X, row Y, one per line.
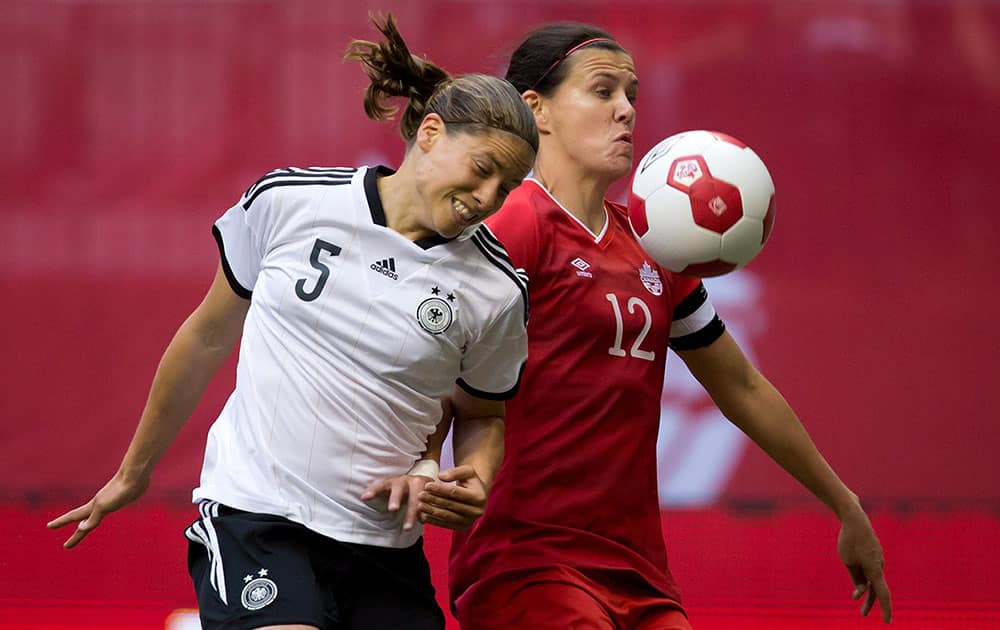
column 507, row 395
column 691, row 303
column 237, row 288
column 702, row 338
column 496, row 253
column 339, row 180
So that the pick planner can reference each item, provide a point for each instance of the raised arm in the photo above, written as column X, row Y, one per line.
column 754, row 405
column 200, row 346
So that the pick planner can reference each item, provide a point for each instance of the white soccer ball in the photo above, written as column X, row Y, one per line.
column 701, row 203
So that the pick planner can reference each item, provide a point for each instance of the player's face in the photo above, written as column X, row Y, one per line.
column 590, row 115
column 465, row 177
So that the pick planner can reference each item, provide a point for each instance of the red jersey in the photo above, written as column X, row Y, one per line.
column 578, row 485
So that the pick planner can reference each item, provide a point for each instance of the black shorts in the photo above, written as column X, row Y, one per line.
column 253, row 570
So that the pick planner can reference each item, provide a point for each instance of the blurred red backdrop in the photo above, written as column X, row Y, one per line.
column 130, row 126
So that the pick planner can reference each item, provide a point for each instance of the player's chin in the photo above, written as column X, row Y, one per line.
column 451, row 230
column 619, row 167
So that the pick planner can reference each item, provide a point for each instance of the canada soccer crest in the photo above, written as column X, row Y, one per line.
column 651, row 279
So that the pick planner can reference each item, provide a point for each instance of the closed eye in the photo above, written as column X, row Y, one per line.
column 482, row 169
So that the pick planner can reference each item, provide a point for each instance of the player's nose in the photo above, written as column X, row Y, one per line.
column 625, row 111
column 488, row 196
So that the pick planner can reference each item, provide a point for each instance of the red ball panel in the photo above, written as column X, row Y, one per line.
column 768, row 221
column 715, row 205
column 637, row 214
column 725, row 137
column 709, row 269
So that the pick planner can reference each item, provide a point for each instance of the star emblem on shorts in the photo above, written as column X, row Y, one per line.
column 436, row 291
column 451, row 297
column 249, row 576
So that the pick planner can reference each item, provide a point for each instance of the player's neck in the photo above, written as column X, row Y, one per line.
column 399, row 197
column 582, row 196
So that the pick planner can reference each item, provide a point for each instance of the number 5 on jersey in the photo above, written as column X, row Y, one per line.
column 636, row 350
column 324, row 271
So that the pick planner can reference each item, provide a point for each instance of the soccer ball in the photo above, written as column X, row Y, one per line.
column 701, row 203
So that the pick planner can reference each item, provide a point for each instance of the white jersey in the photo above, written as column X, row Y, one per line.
column 353, row 335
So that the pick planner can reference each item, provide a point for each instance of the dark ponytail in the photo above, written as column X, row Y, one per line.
column 395, row 72
column 473, row 101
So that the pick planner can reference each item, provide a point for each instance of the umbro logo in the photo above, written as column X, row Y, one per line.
column 386, row 267
column 581, row 267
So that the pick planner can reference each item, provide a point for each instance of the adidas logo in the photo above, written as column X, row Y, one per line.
column 386, row 267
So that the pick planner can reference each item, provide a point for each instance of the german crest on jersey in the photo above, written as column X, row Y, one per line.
column 435, row 314
column 651, row 279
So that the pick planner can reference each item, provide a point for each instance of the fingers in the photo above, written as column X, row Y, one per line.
column 885, row 603
column 376, row 488
column 398, row 492
column 454, row 492
column 859, row 579
column 451, row 506
column 869, row 601
column 412, row 511
column 880, row 590
column 859, row 590
column 375, row 493
column 73, row 516
column 76, row 538
column 454, row 505
column 459, row 473
column 874, row 588
column 88, row 517
column 447, row 519
column 390, row 494
column 414, row 486
column 461, row 508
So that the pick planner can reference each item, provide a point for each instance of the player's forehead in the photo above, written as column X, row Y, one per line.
column 509, row 152
column 591, row 63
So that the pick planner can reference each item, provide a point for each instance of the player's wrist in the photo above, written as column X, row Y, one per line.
column 847, row 506
column 425, row 468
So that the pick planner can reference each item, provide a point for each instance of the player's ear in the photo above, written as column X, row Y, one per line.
column 430, row 131
column 539, row 106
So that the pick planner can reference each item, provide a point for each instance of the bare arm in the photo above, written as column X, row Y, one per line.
column 754, row 405
column 200, row 346
column 478, row 438
column 459, row 498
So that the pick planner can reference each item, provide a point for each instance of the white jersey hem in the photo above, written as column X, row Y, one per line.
column 396, row 539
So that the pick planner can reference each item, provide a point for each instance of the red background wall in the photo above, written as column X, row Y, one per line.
column 128, row 127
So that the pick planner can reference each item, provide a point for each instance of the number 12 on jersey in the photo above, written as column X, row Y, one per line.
column 636, row 350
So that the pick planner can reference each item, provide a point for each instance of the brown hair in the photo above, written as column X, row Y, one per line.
column 538, row 63
column 476, row 101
